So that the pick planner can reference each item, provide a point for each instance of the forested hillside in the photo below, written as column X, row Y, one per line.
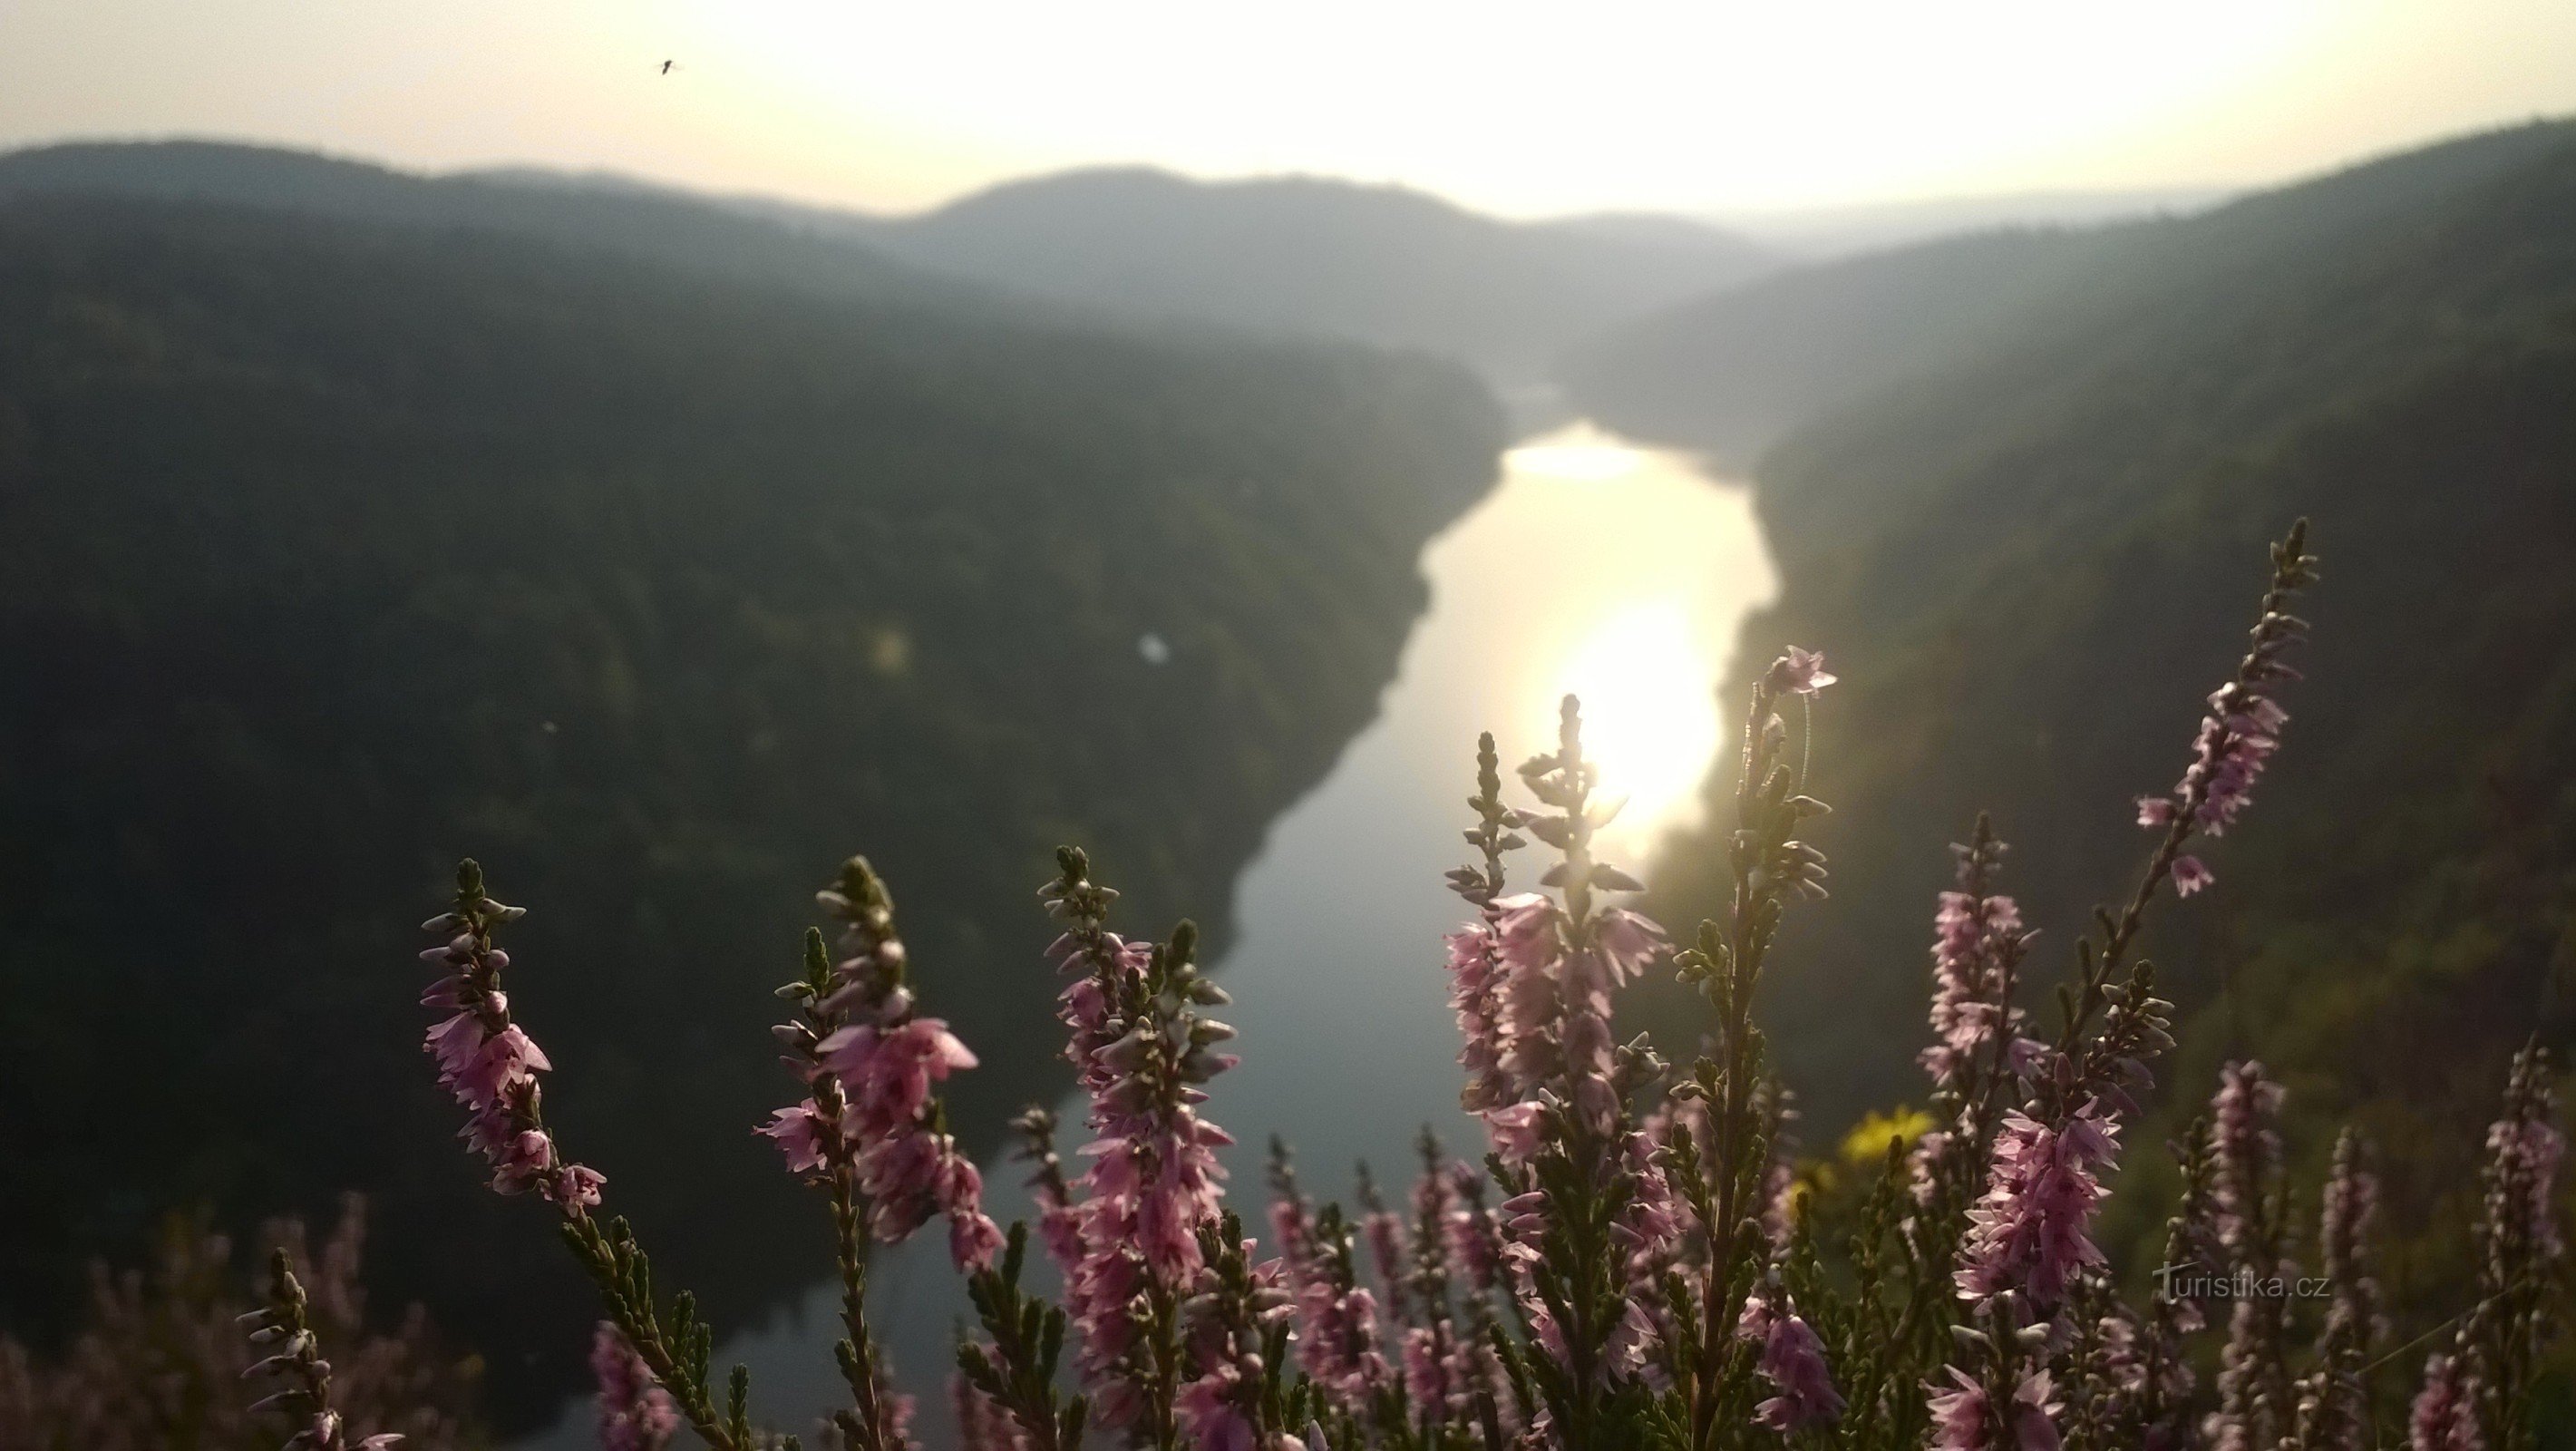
column 330, row 552
column 571, row 215
column 2029, row 560
column 1740, row 370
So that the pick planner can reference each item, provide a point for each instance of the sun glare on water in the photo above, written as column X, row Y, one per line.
column 1649, row 716
column 1637, row 641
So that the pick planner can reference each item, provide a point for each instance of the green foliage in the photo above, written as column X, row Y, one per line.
column 330, row 552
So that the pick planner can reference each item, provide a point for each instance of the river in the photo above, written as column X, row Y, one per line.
column 1619, row 573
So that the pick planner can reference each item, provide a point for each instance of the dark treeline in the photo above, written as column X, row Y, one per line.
column 2013, row 550
column 331, row 551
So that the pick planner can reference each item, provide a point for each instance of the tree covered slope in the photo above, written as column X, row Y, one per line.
column 331, row 551
column 1740, row 370
column 2027, row 560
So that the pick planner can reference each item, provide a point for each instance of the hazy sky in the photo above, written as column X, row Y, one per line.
column 1518, row 108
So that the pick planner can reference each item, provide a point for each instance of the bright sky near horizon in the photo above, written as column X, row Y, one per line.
column 1524, row 109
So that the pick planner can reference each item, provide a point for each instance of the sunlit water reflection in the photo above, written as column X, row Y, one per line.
column 1618, row 573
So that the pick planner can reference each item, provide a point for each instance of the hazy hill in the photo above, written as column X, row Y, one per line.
column 2028, row 564
column 1308, row 257
column 332, row 551
column 582, row 214
column 1311, row 256
column 1737, row 371
column 1844, row 229
column 1730, row 374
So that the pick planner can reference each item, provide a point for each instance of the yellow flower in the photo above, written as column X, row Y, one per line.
column 1865, row 1147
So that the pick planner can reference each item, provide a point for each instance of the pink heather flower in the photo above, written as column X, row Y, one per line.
column 1293, row 1227
column 2235, row 743
column 982, row 1425
column 2350, row 1211
column 1963, row 1419
column 888, row 1072
column 1515, row 1131
column 1629, row 943
column 1780, row 1203
column 2246, row 1148
column 1799, row 672
column 2033, row 1415
column 1631, row 1342
column 1384, row 1235
column 573, row 1185
column 801, row 1135
column 1959, row 1414
column 1923, row 1165
column 1211, row 1412
column 1142, row 1052
column 1975, row 941
column 1475, row 975
column 1651, row 1225
column 454, row 1043
column 2030, row 1232
column 635, row 1413
column 2190, row 875
column 1338, row 1325
column 1793, row 1360
column 1060, row 1230
column 1529, row 941
column 488, row 1062
column 1104, row 964
column 1476, row 1245
column 909, row 1177
column 2445, row 1413
column 2523, row 1153
column 958, row 1190
column 896, row 1175
column 2155, row 812
column 521, row 1159
column 497, row 1063
column 1337, row 1320
column 973, row 1240
column 1441, row 1370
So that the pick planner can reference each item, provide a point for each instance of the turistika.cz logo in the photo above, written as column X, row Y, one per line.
column 2192, row 1281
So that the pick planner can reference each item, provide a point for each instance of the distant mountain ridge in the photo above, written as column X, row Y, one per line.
column 1297, row 256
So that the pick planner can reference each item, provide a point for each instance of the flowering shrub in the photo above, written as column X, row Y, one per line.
column 160, row 1362
column 1631, row 1264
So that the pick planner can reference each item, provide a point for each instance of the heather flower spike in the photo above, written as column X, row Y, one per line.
column 871, row 1129
column 2479, row 1394
column 1143, row 1051
column 635, row 1413
column 2255, row 1400
column 491, row 1064
column 2334, row 1409
column 294, row 1362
